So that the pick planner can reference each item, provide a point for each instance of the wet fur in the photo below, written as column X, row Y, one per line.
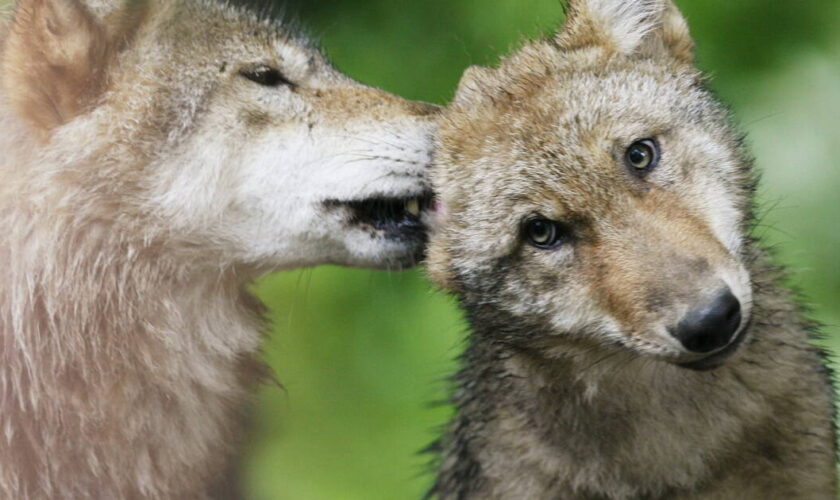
column 570, row 386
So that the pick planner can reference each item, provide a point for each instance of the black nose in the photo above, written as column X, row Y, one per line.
column 711, row 326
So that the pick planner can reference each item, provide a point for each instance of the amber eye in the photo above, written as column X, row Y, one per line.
column 266, row 76
column 544, row 233
column 642, row 156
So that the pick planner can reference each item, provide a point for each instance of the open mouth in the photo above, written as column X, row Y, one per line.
column 718, row 358
column 393, row 217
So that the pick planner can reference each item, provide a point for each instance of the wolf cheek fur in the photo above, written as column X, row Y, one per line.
column 156, row 156
column 634, row 341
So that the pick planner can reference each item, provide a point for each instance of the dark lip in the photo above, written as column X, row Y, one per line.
column 387, row 215
column 717, row 359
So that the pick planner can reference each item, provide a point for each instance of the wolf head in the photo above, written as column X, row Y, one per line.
column 594, row 193
column 213, row 130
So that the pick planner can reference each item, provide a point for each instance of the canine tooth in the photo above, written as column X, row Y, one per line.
column 413, row 207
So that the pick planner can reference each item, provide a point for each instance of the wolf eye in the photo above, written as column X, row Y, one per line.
column 544, row 233
column 266, row 76
column 642, row 156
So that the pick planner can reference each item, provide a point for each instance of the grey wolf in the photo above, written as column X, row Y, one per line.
column 629, row 338
column 158, row 156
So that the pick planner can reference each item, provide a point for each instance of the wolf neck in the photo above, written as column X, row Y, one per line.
column 105, row 338
column 81, row 296
column 110, row 340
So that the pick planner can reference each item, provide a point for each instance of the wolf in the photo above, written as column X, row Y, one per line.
column 628, row 338
column 158, row 156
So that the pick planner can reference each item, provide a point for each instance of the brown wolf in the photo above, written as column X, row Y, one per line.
column 629, row 338
column 158, row 155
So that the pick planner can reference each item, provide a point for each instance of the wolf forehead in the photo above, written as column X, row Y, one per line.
column 579, row 103
column 552, row 122
column 238, row 27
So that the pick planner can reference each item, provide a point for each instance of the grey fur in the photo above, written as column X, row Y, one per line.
column 567, row 391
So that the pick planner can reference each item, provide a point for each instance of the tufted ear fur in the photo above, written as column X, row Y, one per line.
column 676, row 35
column 628, row 27
column 53, row 61
column 473, row 83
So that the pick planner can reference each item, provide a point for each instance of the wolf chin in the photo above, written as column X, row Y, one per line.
column 156, row 157
column 629, row 339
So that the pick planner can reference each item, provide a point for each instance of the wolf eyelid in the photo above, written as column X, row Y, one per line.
column 266, row 76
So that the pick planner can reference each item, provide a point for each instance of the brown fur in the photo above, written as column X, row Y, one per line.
column 129, row 346
column 571, row 385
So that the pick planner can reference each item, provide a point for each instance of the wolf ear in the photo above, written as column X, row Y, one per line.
column 675, row 34
column 473, row 82
column 53, row 61
column 628, row 27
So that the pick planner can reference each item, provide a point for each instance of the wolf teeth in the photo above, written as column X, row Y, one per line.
column 413, row 207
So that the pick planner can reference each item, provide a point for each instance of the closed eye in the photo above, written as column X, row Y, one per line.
column 266, row 76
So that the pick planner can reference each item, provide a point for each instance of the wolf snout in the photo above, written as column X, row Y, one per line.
column 710, row 326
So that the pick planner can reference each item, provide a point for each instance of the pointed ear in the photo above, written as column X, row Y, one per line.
column 627, row 27
column 53, row 61
column 473, row 82
column 676, row 35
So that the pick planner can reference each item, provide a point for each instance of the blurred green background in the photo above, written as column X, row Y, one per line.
column 363, row 354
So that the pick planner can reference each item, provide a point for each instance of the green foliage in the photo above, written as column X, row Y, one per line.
column 361, row 354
